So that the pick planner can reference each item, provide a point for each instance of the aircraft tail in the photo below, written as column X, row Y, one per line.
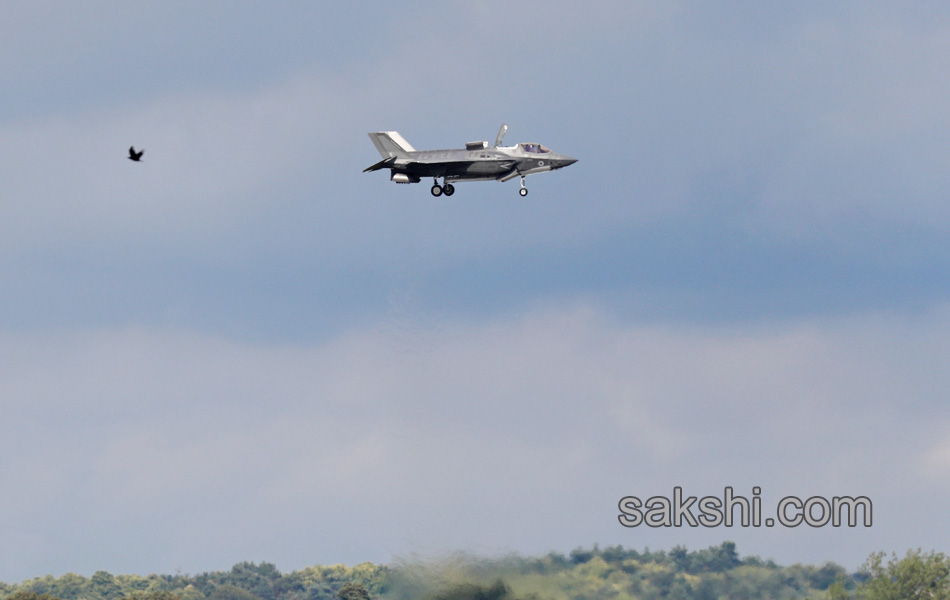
column 390, row 144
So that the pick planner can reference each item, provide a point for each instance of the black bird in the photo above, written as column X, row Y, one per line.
column 133, row 155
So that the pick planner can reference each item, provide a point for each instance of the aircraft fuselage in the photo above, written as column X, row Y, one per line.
column 476, row 162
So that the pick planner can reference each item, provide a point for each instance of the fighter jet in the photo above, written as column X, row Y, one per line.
column 476, row 162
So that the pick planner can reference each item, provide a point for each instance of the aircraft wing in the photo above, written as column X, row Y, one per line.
column 386, row 162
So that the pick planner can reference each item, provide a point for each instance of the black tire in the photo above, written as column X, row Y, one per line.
column 436, row 190
column 523, row 191
column 448, row 189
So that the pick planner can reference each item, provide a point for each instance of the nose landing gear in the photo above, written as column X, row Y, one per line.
column 523, row 191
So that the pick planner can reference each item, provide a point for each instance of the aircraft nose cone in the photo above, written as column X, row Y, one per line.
column 566, row 161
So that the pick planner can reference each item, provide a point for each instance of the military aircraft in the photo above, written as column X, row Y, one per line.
column 476, row 162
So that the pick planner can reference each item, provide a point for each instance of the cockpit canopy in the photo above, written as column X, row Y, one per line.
column 534, row 148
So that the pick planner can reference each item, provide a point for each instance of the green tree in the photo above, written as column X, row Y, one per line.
column 580, row 556
column 837, row 591
column 231, row 592
column 681, row 558
column 153, row 595
column 725, row 557
column 919, row 575
column 470, row 591
column 352, row 591
column 103, row 586
column 29, row 595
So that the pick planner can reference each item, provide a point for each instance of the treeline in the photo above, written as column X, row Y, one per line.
column 245, row 581
column 616, row 573
column 613, row 573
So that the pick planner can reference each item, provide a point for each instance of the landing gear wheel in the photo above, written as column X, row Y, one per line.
column 523, row 191
column 436, row 190
column 448, row 189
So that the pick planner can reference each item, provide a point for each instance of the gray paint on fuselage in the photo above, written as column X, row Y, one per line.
column 477, row 164
column 463, row 165
column 458, row 165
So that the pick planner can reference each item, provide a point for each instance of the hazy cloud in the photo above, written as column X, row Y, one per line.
column 554, row 413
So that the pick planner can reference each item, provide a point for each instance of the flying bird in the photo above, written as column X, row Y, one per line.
column 133, row 155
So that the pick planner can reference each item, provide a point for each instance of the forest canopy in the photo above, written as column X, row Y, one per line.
column 612, row 573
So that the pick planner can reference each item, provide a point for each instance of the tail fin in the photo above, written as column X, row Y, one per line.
column 390, row 143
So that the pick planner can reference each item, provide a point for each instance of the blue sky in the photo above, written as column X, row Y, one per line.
column 244, row 348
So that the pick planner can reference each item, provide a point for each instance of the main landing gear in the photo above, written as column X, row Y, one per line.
column 437, row 190
column 448, row 189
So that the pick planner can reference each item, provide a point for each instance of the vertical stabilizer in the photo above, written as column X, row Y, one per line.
column 390, row 143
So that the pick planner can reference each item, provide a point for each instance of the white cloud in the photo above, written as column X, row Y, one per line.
column 519, row 422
